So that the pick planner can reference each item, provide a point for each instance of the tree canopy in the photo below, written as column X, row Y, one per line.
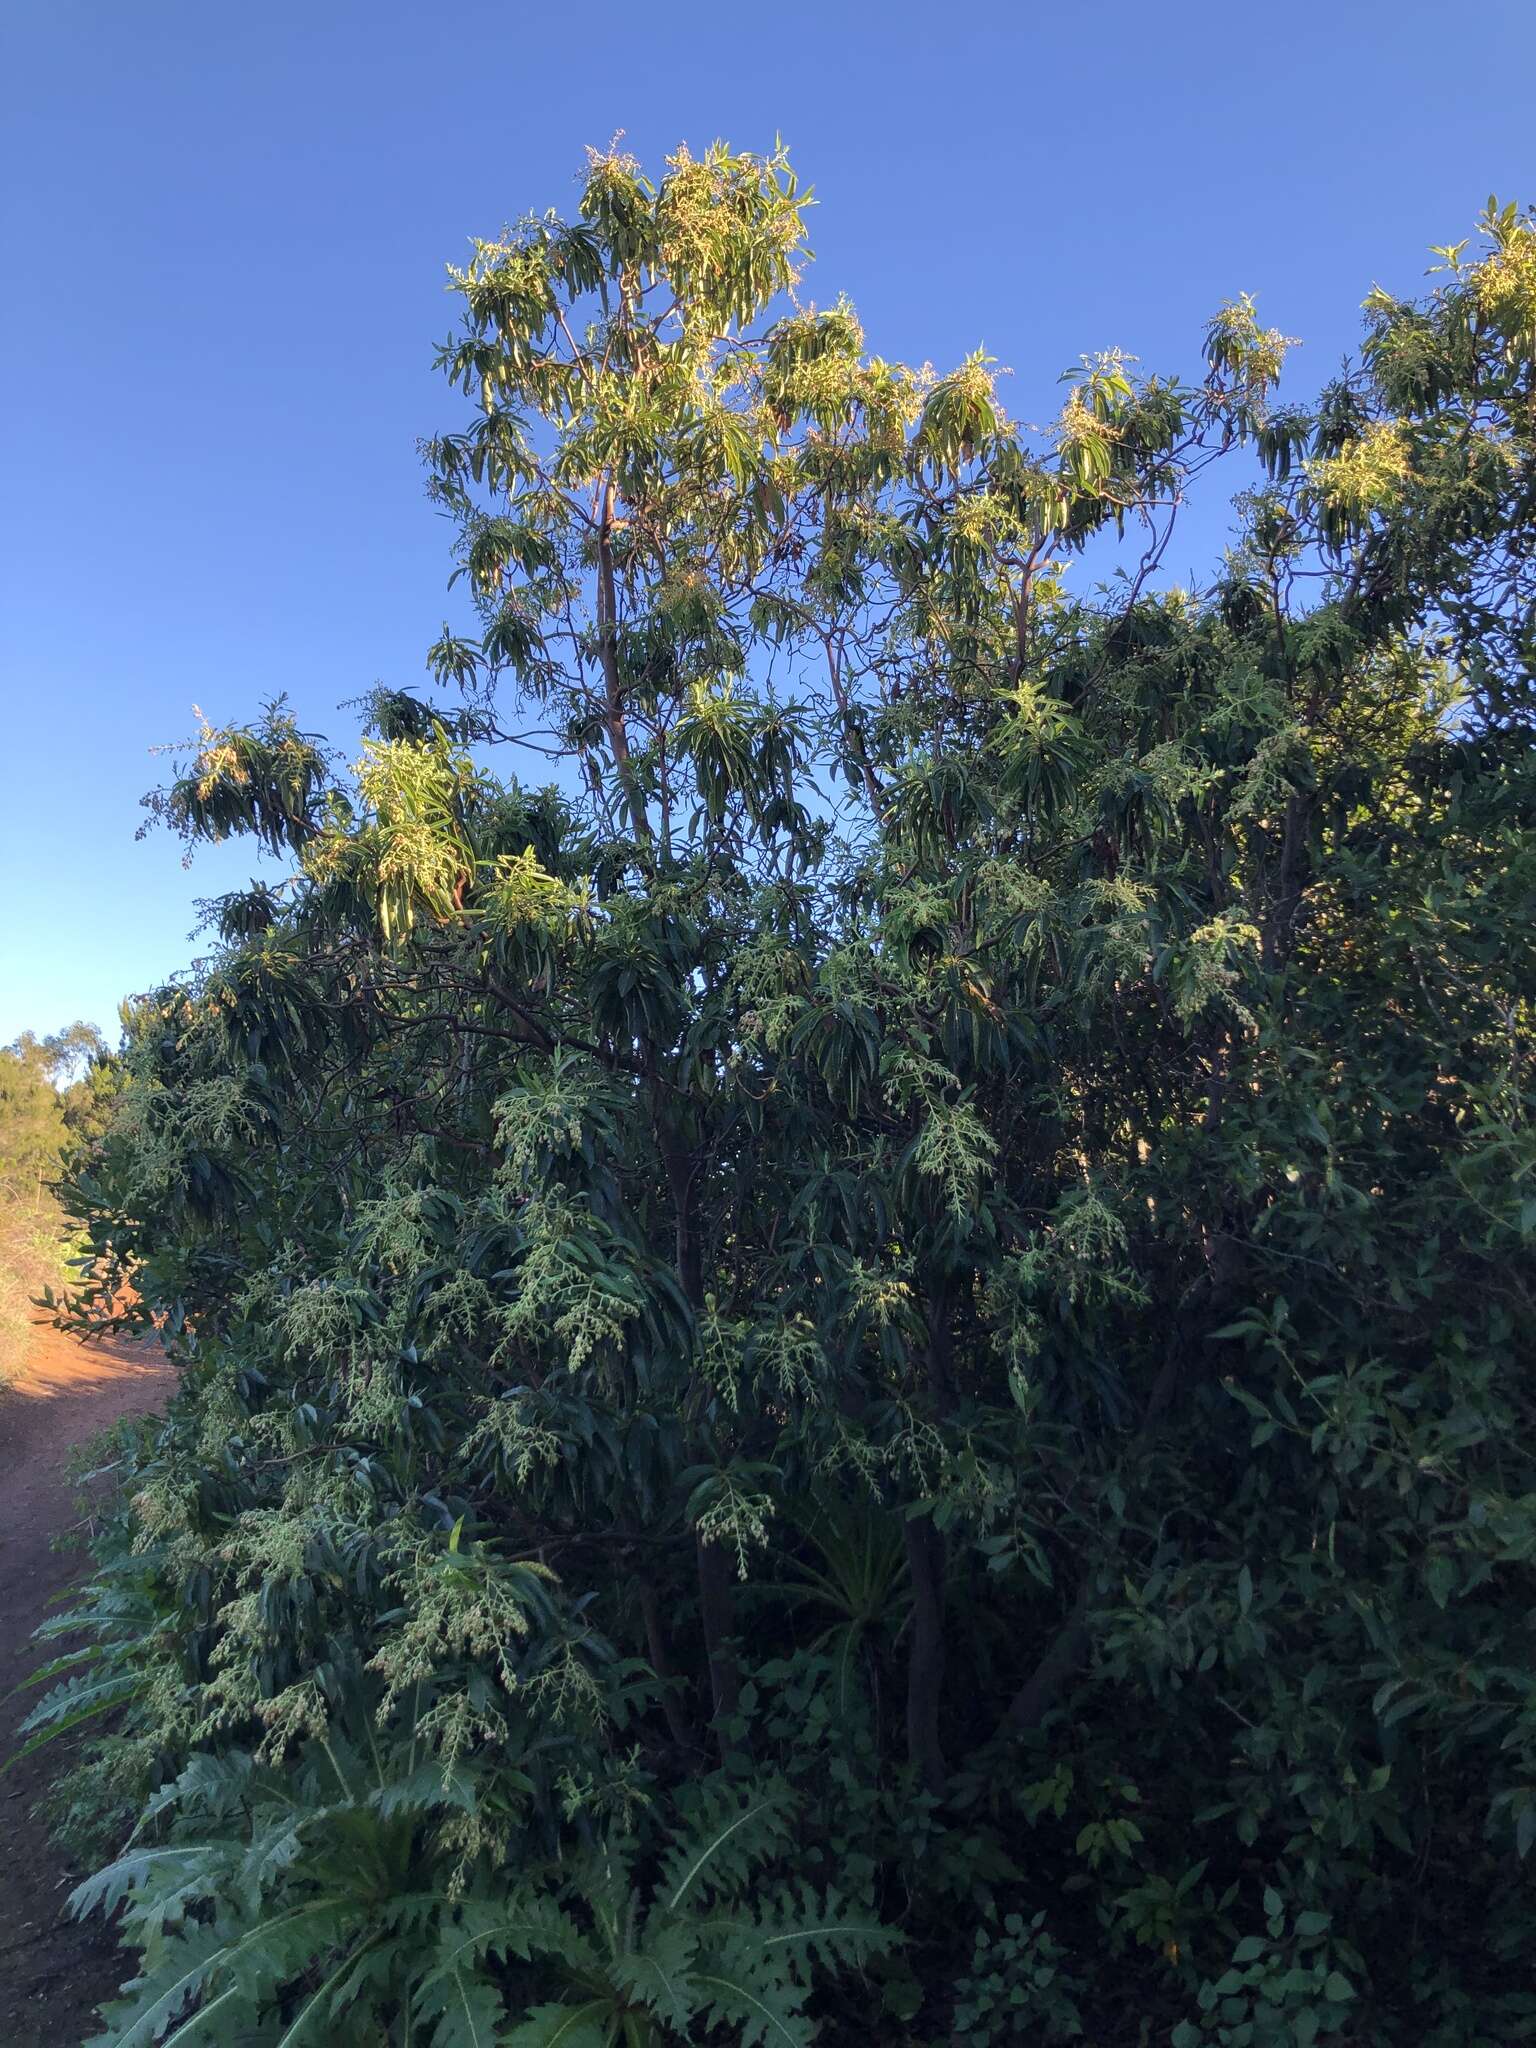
column 871, row 1356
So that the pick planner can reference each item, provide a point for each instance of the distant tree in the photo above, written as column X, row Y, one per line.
column 32, row 1128
column 89, row 1099
column 45, row 1115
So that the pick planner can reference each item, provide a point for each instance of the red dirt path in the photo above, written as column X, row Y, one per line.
column 53, row 1973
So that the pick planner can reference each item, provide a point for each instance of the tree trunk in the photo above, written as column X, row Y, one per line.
column 1034, row 1698
column 1071, row 1643
column 717, row 1602
column 717, row 1593
column 925, row 1658
column 926, row 1551
column 608, row 654
column 660, row 1654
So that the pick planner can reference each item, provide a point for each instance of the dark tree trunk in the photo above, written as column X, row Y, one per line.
column 1034, row 1698
column 717, row 1592
column 660, row 1654
column 1072, row 1641
column 926, row 1562
column 925, row 1658
column 717, row 1600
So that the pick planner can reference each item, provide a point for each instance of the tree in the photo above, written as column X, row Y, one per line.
column 51, row 1090
column 943, row 1224
column 39, row 1127
column 31, row 1123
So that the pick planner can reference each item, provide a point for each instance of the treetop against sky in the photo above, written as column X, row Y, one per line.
column 216, row 431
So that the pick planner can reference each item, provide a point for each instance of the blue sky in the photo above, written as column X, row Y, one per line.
column 224, row 232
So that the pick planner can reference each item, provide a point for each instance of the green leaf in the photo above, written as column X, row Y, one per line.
column 562, row 2026
column 764, row 2018
column 1441, row 1577
column 464, row 2007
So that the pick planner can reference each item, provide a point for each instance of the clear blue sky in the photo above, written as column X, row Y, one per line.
column 223, row 237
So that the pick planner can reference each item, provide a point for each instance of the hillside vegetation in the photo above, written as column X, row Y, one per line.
column 864, row 1372
column 48, row 1108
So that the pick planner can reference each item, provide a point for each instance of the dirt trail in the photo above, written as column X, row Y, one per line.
column 53, row 1973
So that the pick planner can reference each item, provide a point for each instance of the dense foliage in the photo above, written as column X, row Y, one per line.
column 54, row 1098
column 864, row 1372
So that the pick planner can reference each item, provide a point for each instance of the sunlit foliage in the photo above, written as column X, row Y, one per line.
column 55, row 1094
column 922, row 1267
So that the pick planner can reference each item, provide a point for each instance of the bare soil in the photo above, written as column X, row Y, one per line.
column 53, row 1972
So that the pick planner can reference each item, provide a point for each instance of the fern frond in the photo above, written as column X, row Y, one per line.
column 256, row 1964
column 427, row 1789
column 154, row 2002
column 454, row 1992
column 272, row 1851
column 527, row 1924
column 213, row 1787
column 329, row 1997
column 563, row 2026
column 104, row 1604
column 106, row 1889
column 767, row 2014
column 801, row 1929
column 726, row 1842
column 88, row 1653
column 69, row 1705
column 658, row 1972
column 462, row 2006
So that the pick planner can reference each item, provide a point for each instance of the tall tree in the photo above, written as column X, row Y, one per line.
column 936, row 1237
